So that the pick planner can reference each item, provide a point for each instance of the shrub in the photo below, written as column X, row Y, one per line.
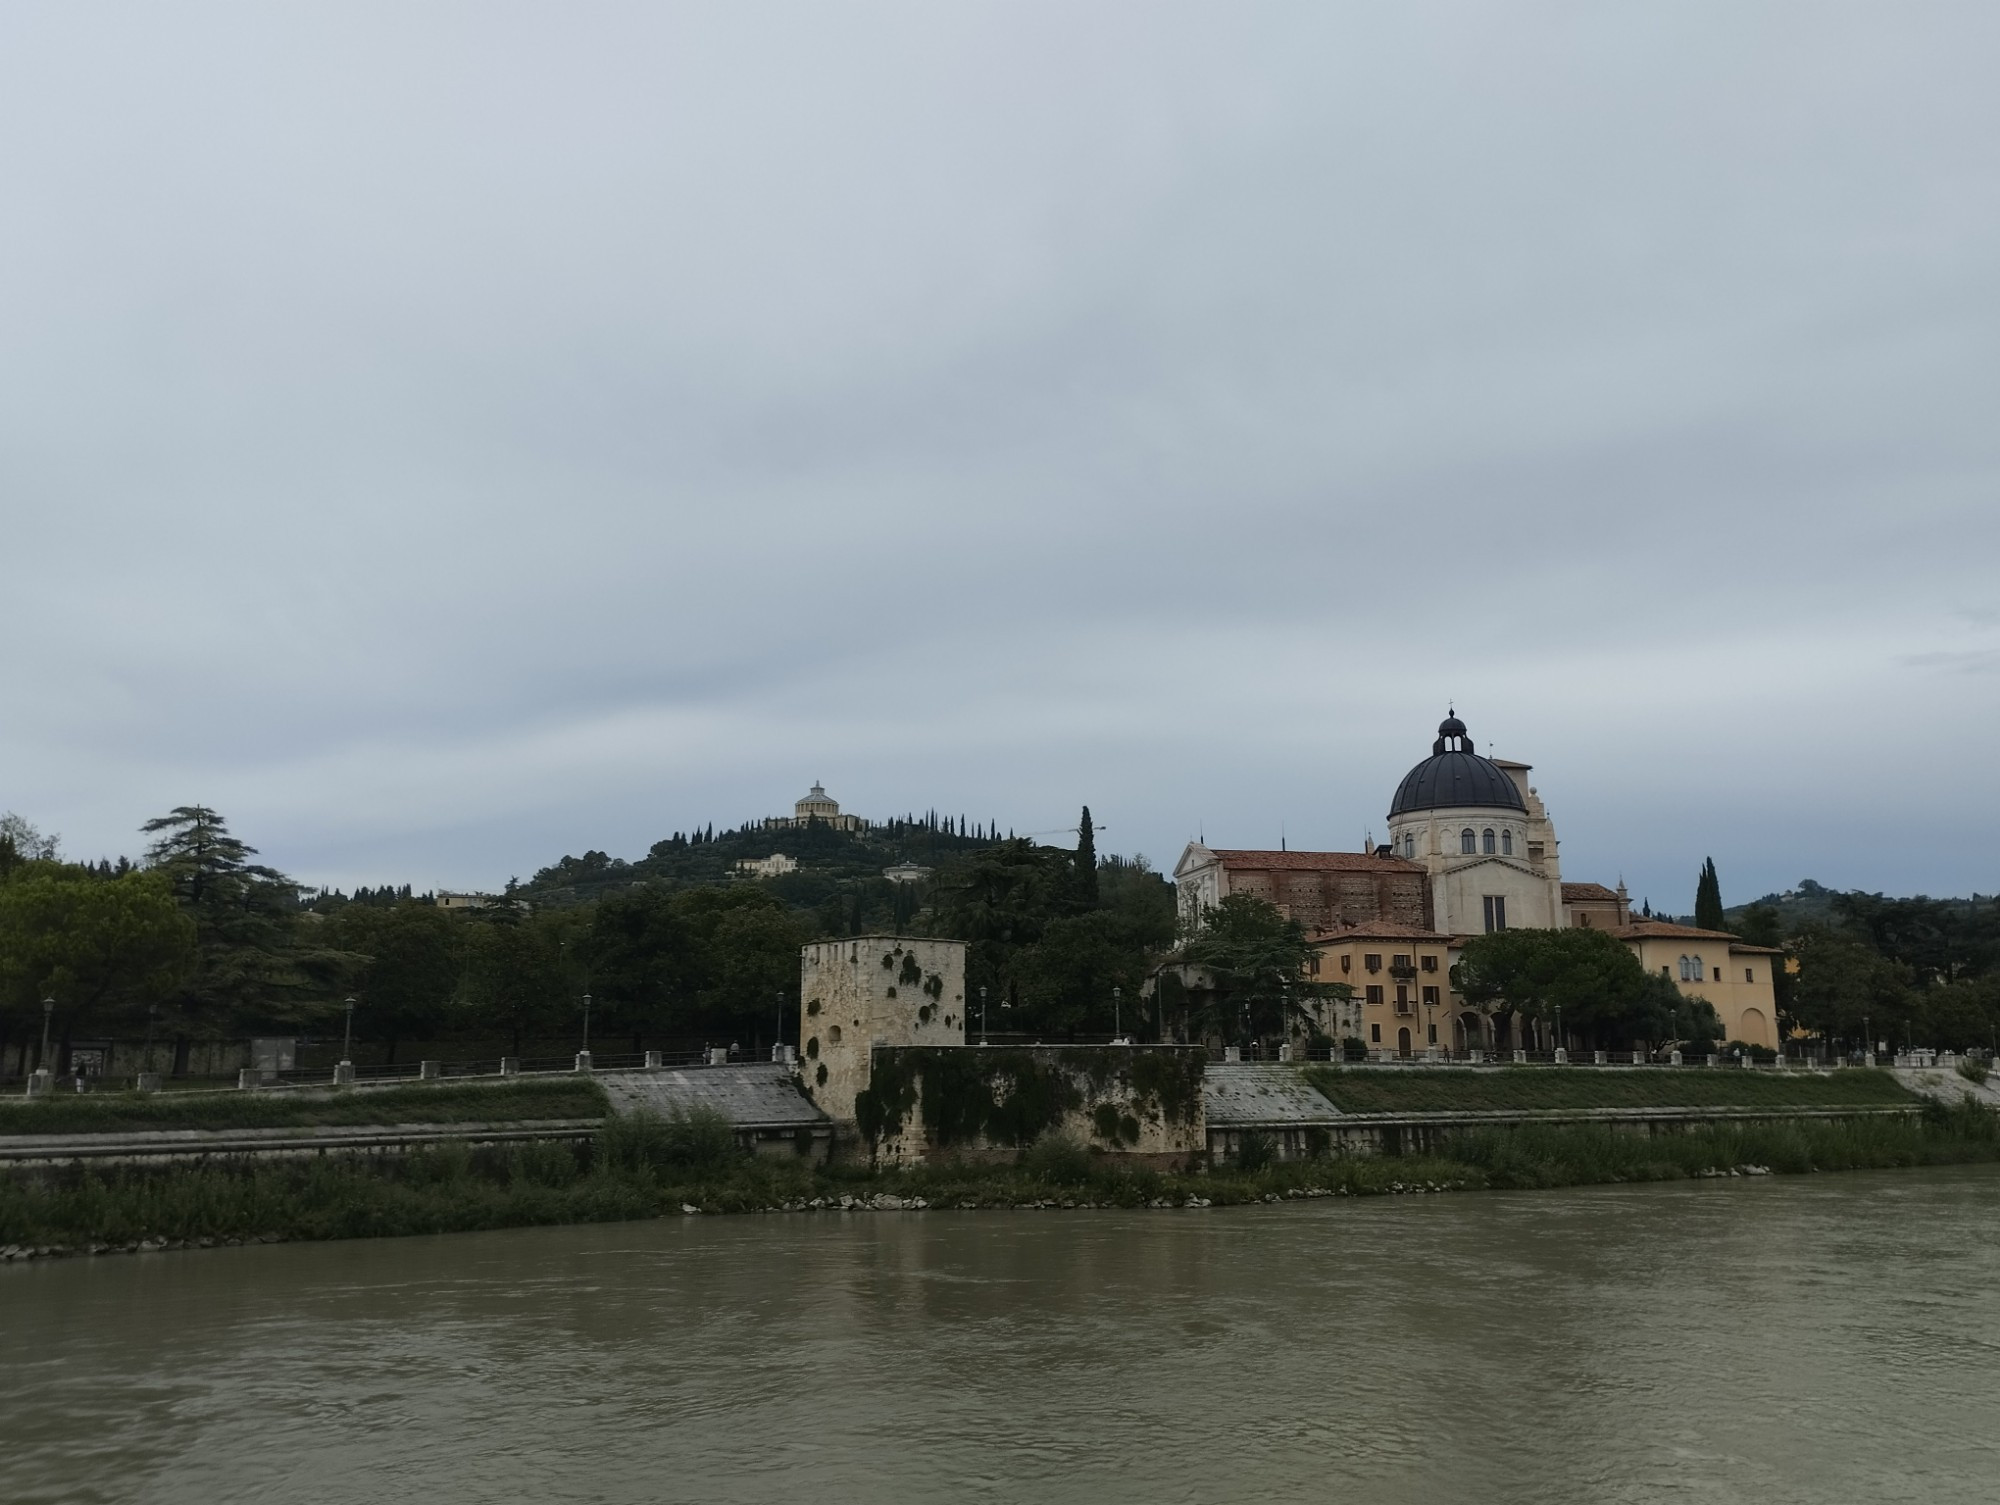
column 691, row 1139
column 1974, row 1070
column 1255, row 1150
column 1056, row 1159
column 1354, row 1048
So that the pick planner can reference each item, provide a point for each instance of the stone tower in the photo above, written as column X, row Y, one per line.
column 868, row 991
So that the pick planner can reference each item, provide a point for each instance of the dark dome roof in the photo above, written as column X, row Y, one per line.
column 1455, row 777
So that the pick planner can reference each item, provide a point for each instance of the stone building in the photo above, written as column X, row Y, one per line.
column 816, row 805
column 1318, row 889
column 774, row 866
column 868, row 991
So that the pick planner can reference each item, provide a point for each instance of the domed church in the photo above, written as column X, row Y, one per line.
column 1481, row 832
column 1471, row 850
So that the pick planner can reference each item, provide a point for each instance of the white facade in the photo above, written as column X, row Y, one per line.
column 1491, row 868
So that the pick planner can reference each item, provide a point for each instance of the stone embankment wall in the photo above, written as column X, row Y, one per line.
column 1142, row 1103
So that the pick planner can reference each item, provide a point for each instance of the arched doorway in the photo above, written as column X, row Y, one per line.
column 1752, row 1030
column 1403, row 1042
column 1467, row 1033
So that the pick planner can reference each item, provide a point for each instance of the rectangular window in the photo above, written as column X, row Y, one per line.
column 1717, row 971
column 1496, row 913
column 1748, row 975
column 1347, row 963
column 1374, row 992
column 1375, row 1034
column 1430, row 964
column 1401, row 963
column 1315, row 965
column 1372, row 961
column 1430, row 995
column 1585, row 918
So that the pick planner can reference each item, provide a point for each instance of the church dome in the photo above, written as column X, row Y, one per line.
column 1454, row 777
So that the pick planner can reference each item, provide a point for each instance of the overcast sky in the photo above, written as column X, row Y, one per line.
column 444, row 437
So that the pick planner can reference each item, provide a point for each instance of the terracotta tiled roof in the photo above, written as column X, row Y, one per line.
column 1666, row 930
column 1330, row 862
column 1572, row 892
column 1378, row 930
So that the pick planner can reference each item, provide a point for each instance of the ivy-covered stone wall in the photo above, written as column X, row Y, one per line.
column 976, row 1101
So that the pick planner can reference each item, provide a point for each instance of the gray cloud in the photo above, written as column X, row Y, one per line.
column 447, row 438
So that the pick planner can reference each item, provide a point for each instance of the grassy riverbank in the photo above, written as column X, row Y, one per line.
column 425, row 1103
column 1442, row 1089
column 637, row 1170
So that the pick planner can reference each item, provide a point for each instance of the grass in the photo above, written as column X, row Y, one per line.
column 1422, row 1090
column 458, row 1102
column 650, row 1171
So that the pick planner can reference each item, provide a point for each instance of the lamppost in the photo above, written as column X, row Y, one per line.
column 152, row 1018
column 1559, row 1026
column 1117, row 1031
column 1430, row 1029
column 48, row 1013
column 1868, row 1037
column 982, row 1014
column 586, row 1024
column 347, row 1037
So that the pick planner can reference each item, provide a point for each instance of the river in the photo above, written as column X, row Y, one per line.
column 1819, row 1339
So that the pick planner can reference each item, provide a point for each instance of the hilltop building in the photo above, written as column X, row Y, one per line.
column 1471, row 850
column 816, row 805
column 774, row 866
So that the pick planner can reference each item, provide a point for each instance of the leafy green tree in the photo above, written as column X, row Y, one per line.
column 407, row 972
column 255, row 967
column 512, row 977
column 1256, row 961
column 1708, row 899
column 1592, row 979
column 1842, row 981
column 103, row 948
column 1961, row 1015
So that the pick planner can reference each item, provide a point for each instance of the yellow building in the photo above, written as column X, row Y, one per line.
column 1731, row 974
column 1401, row 977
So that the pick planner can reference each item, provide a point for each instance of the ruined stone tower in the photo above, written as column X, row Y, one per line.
column 868, row 991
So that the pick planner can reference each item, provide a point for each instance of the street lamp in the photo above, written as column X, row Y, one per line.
column 347, row 1038
column 982, row 1014
column 1559, row 1026
column 1868, row 1036
column 586, row 1023
column 48, row 1013
column 1117, row 1031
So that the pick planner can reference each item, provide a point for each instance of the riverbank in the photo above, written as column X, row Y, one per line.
column 636, row 1169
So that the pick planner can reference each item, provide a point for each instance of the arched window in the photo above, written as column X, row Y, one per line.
column 1696, row 963
column 1410, row 844
column 1506, row 843
column 1489, row 841
column 1684, row 969
column 1468, row 844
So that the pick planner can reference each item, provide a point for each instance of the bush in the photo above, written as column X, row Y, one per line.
column 1255, row 1150
column 1974, row 1070
column 691, row 1139
column 1056, row 1159
column 1354, row 1048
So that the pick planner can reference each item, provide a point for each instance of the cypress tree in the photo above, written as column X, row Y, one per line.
column 1708, row 898
column 1086, row 861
